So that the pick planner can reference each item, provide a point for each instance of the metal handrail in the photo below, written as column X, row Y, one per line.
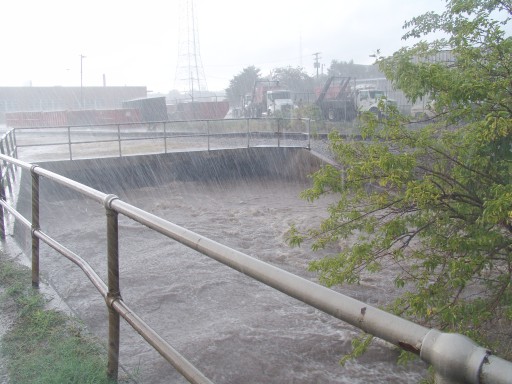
column 113, row 301
column 125, row 135
column 455, row 358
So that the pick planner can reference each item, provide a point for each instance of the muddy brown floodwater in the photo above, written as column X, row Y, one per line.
column 234, row 329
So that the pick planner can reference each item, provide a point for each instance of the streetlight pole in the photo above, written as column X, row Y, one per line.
column 82, row 57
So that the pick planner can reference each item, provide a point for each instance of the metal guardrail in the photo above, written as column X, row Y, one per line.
column 455, row 358
column 71, row 142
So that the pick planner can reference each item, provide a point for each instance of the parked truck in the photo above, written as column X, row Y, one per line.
column 341, row 99
column 369, row 98
column 336, row 99
column 267, row 99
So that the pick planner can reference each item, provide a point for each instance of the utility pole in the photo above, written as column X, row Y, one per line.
column 317, row 62
column 82, row 57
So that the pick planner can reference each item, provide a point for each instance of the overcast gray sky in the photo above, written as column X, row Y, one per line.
column 135, row 42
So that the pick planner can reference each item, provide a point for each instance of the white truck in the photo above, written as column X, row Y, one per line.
column 368, row 99
column 341, row 99
column 269, row 98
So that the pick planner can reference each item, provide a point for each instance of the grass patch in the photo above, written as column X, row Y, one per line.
column 44, row 345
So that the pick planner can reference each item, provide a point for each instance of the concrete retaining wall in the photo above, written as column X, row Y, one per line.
column 112, row 175
column 115, row 175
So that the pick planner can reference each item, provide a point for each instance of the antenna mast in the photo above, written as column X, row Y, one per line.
column 190, row 75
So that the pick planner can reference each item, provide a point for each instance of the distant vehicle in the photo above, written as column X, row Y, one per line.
column 151, row 108
column 336, row 99
column 198, row 110
column 369, row 98
column 246, row 102
column 267, row 99
column 340, row 99
column 423, row 111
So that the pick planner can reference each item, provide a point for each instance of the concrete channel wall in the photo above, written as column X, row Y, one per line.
column 118, row 174
column 110, row 175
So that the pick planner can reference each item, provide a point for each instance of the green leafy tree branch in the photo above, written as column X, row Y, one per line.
column 433, row 202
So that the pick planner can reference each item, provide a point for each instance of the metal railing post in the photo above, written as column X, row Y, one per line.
column 248, row 133
column 7, row 180
column 309, row 133
column 119, row 139
column 69, row 144
column 10, row 138
column 13, row 139
column 278, row 133
column 2, row 197
column 165, row 137
column 10, row 167
column 7, row 165
column 208, row 133
column 113, row 288
column 35, row 227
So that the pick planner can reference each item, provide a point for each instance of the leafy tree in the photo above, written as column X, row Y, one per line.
column 242, row 84
column 296, row 80
column 344, row 68
column 434, row 202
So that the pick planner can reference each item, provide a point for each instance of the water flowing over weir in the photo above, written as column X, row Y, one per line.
column 234, row 329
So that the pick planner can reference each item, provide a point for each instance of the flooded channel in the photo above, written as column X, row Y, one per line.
column 234, row 329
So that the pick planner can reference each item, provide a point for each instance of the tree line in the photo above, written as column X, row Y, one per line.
column 296, row 79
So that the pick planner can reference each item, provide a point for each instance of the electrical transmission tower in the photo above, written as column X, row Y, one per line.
column 190, row 75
